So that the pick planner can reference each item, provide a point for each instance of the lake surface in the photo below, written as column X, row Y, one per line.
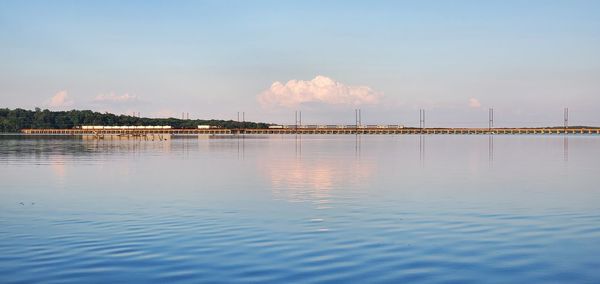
column 310, row 209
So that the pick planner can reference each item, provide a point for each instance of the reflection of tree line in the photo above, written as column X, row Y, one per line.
column 43, row 147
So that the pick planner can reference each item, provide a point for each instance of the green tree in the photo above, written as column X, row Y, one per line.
column 16, row 119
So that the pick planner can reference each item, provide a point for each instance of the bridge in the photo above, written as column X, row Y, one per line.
column 271, row 131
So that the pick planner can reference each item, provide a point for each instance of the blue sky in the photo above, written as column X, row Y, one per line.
column 527, row 59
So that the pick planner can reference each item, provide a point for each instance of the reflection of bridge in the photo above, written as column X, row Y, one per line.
column 220, row 131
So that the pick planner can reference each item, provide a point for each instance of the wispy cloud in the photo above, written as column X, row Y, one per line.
column 474, row 103
column 60, row 99
column 321, row 89
column 112, row 98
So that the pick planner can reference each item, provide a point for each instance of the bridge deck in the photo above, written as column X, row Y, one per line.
column 222, row 131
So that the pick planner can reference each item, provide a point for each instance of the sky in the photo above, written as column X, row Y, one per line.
column 455, row 59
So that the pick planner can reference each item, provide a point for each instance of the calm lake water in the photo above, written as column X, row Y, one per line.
column 463, row 209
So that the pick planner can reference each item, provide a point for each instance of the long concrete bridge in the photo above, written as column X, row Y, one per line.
column 268, row 131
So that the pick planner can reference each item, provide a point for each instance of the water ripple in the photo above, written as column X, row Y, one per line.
column 199, row 211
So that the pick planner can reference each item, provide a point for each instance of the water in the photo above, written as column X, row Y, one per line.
column 427, row 209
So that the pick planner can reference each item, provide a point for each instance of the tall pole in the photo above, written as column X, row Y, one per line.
column 490, row 119
column 296, row 120
column 566, row 117
column 300, row 118
column 356, row 120
column 243, row 127
column 359, row 117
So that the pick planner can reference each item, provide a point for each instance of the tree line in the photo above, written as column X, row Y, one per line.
column 13, row 120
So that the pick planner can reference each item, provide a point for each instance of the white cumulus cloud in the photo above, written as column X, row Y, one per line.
column 321, row 89
column 60, row 99
column 112, row 98
column 474, row 103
